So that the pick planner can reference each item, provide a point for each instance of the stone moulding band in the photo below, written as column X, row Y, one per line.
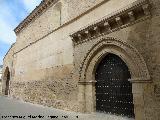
column 131, row 14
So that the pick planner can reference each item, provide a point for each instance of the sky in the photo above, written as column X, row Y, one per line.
column 12, row 12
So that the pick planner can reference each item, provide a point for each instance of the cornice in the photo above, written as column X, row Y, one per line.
column 43, row 6
column 129, row 15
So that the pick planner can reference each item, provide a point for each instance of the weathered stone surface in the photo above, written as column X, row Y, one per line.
column 48, row 68
column 55, row 93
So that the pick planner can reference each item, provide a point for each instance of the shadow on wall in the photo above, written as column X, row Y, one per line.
column 5, row 83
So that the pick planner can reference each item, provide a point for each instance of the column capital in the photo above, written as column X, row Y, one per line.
column 140, row 80
column 87, row 82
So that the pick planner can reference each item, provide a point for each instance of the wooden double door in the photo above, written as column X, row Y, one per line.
column 113, row 90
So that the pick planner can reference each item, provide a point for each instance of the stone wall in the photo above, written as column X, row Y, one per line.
column 144, row 36
column 49, row 57
column 57, row 93
column 82, row 6
column 9, row 62
column 40, row 27
column 41, row 72
column 59, row 51
column 61, row 13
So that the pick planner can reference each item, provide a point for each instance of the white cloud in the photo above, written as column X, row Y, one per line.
column 7, row 23
column 31, row 4
column 7, row 35
column 8, row 20
column 12, row 13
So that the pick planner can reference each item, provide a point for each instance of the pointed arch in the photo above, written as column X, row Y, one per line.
column 129, row 54
column 6, row 80
column 132, row 58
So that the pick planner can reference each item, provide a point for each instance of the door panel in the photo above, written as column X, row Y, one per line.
column 113, row 90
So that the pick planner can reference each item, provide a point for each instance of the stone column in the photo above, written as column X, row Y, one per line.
column 138, row 98
column 90, row 96
column 86, row 96
column 81, row 96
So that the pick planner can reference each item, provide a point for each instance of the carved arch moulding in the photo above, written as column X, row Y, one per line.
column 129, row 54
column 99, row 29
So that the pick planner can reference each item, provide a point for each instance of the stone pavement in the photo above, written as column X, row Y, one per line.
column 11, row 109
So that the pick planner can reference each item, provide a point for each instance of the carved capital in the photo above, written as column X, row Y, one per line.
column 87, row 33
column 119, row 21
column 87, row 82
column 146, row 9
column 80, row 36
column 131, row 16
column 107, row 25
column 96, row 28
column 140, row 80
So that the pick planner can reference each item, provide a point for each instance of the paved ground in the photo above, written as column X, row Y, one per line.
column 11, row 109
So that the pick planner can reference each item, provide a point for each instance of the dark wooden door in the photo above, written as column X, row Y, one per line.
column 113, row 90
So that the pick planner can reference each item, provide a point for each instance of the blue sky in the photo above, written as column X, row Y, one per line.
column 11, row 14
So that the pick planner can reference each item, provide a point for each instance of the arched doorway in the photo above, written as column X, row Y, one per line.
column 6, row 80
column 131, row 58
column 113, row 90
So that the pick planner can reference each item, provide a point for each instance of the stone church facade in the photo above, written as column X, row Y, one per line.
column 70, row 54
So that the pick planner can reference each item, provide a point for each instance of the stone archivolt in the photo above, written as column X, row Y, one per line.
column 129, row 15
column 128, row 53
